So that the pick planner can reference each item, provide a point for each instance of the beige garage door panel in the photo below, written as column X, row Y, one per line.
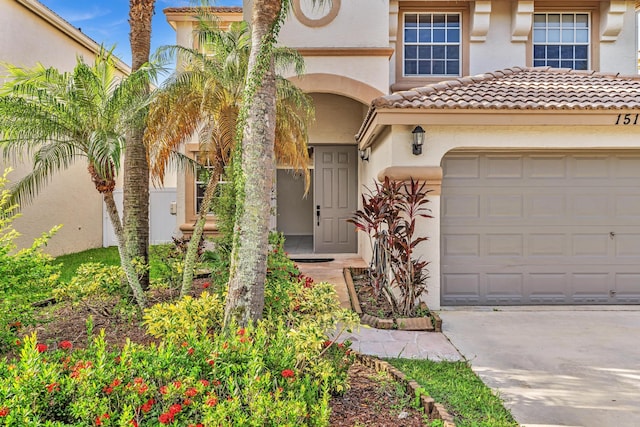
column 541, row 228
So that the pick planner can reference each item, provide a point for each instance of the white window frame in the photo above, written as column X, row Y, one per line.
column 196, row 184
column 432, row 43
column 562, row 32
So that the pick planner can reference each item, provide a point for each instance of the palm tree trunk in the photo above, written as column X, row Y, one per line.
column 194, row 243
column 125, row 260
column 136, row 167
column 245, row 299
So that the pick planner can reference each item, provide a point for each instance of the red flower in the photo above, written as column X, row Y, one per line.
column 52, row 387
column 4, row 411
column 166, row 418
column 41, row 348
column 164, row 389
column 175, row 408
column 211, row 362
column 134, row 423
column 177, row 384
column 187, row 402
column 107, row 389
column 287, row 373
column 205, row 383
column 146, row 407
column 241, row 331
column 205, row 285
column 98, row 421
column 327, row 343
column 65, row 345
column 190, row 351
column 116, row 382
column 184, row 344
column 106, row 416
column 138, row 380
column 143, row 388
column 18, row 343
column 212, row 401
column 192, row 391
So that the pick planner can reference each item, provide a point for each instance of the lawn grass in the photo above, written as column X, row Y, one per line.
column 460, row 390
column 69, row 263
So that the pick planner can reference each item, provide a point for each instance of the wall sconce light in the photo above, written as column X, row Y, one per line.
column 364, row 154
column 418, row 140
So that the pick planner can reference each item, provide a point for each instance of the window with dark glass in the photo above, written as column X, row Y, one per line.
column 561, row 40
column 431, row 44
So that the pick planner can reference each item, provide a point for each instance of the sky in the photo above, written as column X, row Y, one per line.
column 106, row 21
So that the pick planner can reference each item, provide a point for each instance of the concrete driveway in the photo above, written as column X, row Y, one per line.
column 556, row 367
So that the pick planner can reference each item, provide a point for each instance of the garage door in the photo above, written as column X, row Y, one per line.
column 540, row 228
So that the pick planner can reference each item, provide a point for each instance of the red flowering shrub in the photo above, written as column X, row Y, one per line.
column 215, row 384
column 65, row 345
column 287, row 373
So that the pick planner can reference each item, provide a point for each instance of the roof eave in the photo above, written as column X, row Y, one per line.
column 380, row 118
column 69, row 30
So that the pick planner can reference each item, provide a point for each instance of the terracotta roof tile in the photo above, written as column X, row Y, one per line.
column 520, row 88
column 210, row 9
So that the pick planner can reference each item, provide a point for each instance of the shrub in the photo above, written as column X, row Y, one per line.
column 252, row 376
column 280, row 371
column 388, row 215
column 100, row 288
column 26, row 275
column 187, row 318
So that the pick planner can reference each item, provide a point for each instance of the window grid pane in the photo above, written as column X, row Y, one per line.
column 561, row 40
column 432, row 44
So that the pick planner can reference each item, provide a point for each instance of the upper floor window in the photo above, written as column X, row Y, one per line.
column 431, row 44
column 561, row 40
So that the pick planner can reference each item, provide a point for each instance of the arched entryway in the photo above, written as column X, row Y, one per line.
column 315, row 222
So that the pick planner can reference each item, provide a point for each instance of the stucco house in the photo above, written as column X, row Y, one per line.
column 534, row 167
column 33, row 33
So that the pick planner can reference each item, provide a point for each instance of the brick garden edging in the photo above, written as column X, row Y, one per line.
column 434, row 410
column 407, row 324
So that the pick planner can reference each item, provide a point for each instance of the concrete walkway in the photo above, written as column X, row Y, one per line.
column 379, row 342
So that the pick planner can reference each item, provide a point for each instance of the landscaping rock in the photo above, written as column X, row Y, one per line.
column 385, row 324
column 415, row 324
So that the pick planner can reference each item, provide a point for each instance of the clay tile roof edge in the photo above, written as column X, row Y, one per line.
column 210, row 9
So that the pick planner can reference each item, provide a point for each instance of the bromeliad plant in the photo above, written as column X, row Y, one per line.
column 388, row 216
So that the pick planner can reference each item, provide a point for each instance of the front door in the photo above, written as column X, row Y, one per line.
column 335, row 198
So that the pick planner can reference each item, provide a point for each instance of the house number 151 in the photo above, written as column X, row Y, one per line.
column 627, row 119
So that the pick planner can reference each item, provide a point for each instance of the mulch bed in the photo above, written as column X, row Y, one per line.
column 372, row 400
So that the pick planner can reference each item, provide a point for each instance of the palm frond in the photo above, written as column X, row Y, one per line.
column 57, row 117
column 47, row 161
